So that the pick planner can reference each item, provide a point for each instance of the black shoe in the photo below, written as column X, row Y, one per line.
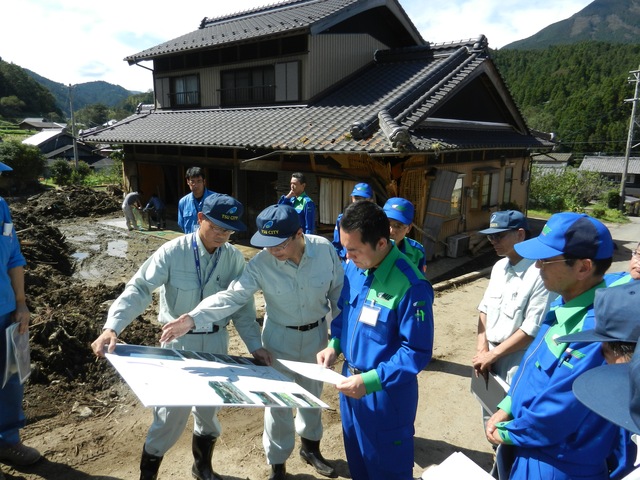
column 310, row 453
column 278, row 471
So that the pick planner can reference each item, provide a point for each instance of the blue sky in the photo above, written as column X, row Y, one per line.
column 75, row 41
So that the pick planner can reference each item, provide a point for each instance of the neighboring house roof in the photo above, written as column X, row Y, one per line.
column 552, row 157
column 44, row 136
column 289, row 17
column 51, row 146
column 610, row 164
column 40, row 124
column 416, row 89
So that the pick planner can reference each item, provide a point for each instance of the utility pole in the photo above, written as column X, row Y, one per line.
column 73, row 129
column 625, row 169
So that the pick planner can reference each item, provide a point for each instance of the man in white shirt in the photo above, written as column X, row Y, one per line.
column 513, row 306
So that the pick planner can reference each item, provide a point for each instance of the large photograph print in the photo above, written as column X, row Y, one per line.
column 165, row 377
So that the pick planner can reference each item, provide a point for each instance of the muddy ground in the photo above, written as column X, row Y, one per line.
column 89, row 425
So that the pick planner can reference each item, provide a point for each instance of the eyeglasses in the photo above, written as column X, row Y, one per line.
column 281, row 247
column 219, row 230
column 195, row 181
column 635, row 254
column 544, row 263
column 496, row 237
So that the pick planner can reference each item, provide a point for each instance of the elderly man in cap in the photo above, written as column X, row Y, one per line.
column 301, row 278
column 400, row 213
column 617, row 329
column 514, row 304
column 361, row 191
column 613, row 391
column 553, row 434
column 186, row 270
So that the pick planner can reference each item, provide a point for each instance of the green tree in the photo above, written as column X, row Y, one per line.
column 61, row 171
column 11, row 106
column 571, row 189
column 27, row 161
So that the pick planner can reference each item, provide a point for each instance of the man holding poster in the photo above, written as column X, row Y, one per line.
column 186, row 270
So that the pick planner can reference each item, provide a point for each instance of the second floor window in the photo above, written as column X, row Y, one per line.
column 185, row 91
column 248, row 86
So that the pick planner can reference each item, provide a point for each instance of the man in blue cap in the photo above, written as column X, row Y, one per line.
column 400, row 213
column 514, row 304
column 361, row 191
column 186, row 270
column 613, row 392
column 617, row 329
column 554, row 435
column 301, row 278
column 13, row 310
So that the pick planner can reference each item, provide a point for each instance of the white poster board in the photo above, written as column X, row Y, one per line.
column 166, row 377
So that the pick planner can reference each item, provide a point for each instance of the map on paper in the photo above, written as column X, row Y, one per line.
column 166, row 377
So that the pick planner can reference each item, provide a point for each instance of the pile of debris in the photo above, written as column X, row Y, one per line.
column 66, row 315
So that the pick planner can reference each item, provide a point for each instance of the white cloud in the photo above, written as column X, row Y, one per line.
column 72, row 41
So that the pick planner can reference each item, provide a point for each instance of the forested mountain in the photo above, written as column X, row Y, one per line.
column 576, row 91
column 22, row 95
column 83, row 94
column 611, row 21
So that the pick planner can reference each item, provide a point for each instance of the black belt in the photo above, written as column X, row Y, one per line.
column 307, row 327
column 353, row 370
column 216, row 329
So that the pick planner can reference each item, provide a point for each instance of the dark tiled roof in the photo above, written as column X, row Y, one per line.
column 407, row 85
column 285, row 17
column 610, row 164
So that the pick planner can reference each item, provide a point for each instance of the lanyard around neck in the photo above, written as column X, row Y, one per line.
column 196, row 258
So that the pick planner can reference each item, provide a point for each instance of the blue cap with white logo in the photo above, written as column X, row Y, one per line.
column 574, row 234
column 224, row 211
column 399, row 209
column 275, row 224
column 362, row 190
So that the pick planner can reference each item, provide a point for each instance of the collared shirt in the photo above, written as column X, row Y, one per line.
column 188, row 208
column 414, row 250
column 10, row 256
column 172, row 270
column 516, row 298
column 306, row 211
column 548, row 420
column 392, row 348
column 294, row 295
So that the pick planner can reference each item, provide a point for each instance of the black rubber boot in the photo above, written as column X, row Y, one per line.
column 278, row 471
column 149, row 465
column 202, row 451
column 310, row 453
